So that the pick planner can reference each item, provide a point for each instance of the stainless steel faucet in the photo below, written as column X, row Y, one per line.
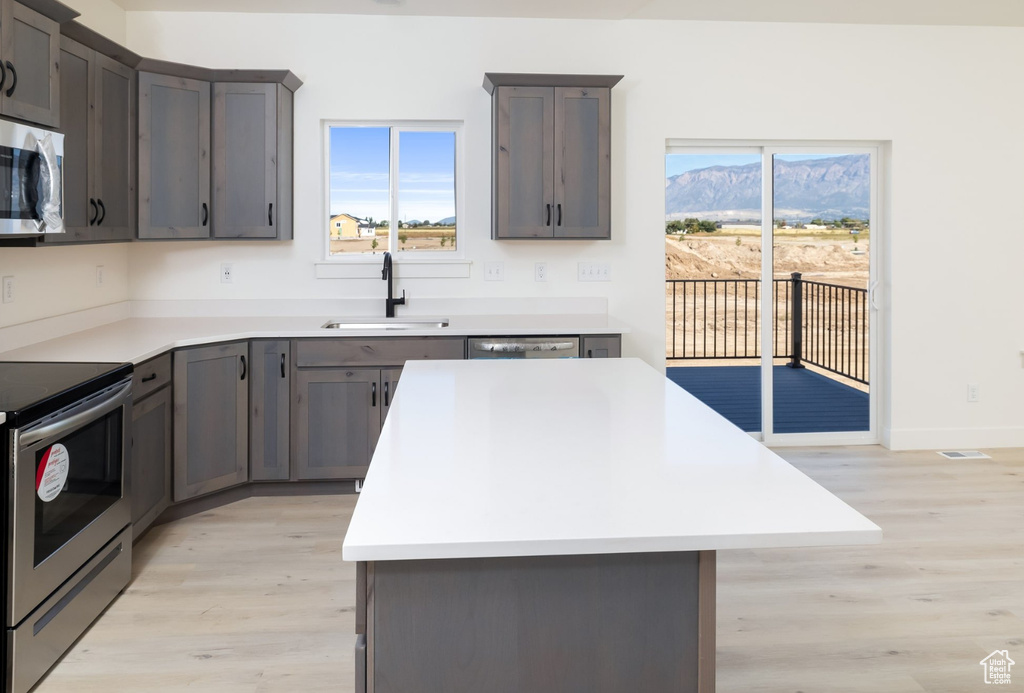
column 387, row 275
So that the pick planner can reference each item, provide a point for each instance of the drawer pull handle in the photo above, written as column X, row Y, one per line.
column 151, row 376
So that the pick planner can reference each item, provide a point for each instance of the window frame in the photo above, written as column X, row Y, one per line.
column 396, row 127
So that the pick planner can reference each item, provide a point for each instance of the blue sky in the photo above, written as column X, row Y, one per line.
column 680, row 163
column 359, row 173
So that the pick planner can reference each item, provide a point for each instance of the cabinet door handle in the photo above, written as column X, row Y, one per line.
column 548, row 222
column 14, row 79
column 95, row 211
column 282, row 366
column 206, row 214
column 244, row 368
column 590, row 353
column 373, row 394
column 3, row 75
column 270, row 214
column 387, row 399
column 559, row 213
column 151, row 376
column 103, row 211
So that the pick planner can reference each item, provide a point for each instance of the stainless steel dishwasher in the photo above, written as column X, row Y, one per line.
column 524, row 347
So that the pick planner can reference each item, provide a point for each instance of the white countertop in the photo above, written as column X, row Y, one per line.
column 138, row 339
column 523, row 458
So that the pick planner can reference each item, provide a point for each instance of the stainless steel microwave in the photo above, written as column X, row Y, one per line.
column 31, row 180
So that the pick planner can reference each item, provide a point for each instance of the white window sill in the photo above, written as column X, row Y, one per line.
column 419, row 268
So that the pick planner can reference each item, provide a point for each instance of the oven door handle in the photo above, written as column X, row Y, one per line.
column 58, row 428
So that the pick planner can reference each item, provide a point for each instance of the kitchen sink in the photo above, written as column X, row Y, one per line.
column 385, row 324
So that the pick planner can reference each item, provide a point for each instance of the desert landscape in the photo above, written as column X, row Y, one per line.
column 432, row 238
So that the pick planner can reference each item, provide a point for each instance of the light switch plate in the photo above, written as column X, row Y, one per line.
column 594, row 272
column 494, row 271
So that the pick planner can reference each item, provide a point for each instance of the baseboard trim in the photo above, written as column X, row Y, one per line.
column 955, row 438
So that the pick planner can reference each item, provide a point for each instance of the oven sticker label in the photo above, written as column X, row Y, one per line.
column 52, row 472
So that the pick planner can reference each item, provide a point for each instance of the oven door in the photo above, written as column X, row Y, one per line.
column 68, row 494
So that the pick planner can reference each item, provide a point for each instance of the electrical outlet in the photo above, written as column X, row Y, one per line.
column 227, row 273
column 99, row 275
column 8, row 289
column 540, row 272
column 594, row 272
column 494, row 271
column 973, row 394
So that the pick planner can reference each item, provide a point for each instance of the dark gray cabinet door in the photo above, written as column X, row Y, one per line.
column 31, row 52
column 211, row 417
column 523, row 176
column 174, row 157
column 582, row 163
column 269, row 421
column 388, row 384
column 114, row 153
column 601, row 347
column 150, row 475
column 77, row 87
column 336, row 422
column 245, row 176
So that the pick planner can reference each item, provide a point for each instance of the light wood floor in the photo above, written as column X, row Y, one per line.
column 254, row 596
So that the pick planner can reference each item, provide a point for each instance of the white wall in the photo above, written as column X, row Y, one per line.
column 945, row 97
column 54, row 281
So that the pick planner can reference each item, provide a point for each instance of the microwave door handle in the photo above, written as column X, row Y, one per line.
column 58, row 428
column 53, row 193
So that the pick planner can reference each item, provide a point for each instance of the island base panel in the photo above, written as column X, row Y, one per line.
column 544, row 624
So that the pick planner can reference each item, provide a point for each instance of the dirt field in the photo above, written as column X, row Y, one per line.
column 416, row 239
column 827, row 257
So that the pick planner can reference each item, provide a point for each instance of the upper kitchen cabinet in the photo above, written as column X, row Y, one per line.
column 30, row 59
column 252, row 161
column 229, row 127
column 551, row 159
column 97, row 102
column 174, row 157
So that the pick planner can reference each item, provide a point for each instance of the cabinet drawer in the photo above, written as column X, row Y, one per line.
column 151, row 375
column 377, row 352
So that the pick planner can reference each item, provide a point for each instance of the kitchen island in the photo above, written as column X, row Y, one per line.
column 552, row 526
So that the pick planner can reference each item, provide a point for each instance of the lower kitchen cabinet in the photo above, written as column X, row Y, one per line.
column 211, row 419
column 269, row 411
column 601, row 347
column 149, row 475
column 337, row 418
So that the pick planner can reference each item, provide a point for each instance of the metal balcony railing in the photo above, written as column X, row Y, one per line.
column 814, row 322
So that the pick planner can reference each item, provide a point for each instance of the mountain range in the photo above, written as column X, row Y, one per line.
column 829, row 188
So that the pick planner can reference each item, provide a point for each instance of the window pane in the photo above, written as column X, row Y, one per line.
column 359, row 170
column 426, row 191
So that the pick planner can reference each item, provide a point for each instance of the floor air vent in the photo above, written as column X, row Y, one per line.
column 964, row 455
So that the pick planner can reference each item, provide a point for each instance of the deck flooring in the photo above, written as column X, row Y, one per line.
column 805, row 401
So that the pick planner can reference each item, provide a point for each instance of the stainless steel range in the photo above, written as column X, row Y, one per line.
column 67, row 537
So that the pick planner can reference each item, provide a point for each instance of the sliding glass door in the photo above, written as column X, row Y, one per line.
column 770, row 291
